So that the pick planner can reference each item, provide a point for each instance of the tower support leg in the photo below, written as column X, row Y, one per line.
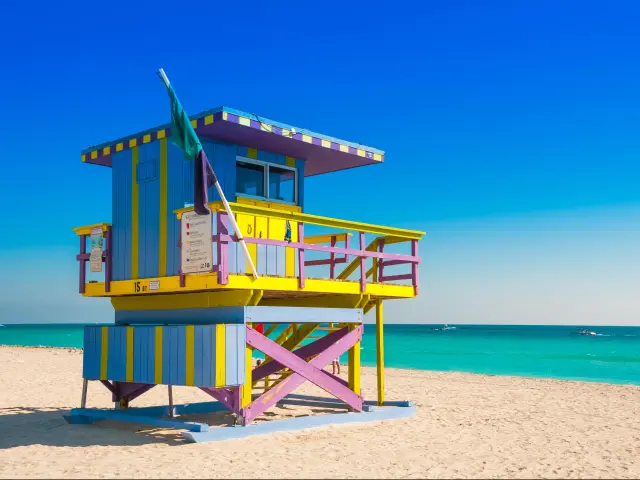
column 83, row 400
column 380, row 350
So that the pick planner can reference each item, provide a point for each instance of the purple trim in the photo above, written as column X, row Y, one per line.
column 223, row 248
column 107, row 273
column 318, row 159
column 300, row 254
column 390, row 278
column 311, row 371
column 109, row 386
column 140, row 391
column 83, row 270
column 223, row 395
column 363, row 265
column 308, row 350
column 129, row 391
column 414, row 267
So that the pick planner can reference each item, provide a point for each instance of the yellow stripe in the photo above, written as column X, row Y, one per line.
column 252, row 153
column 119, row 147
column 94, row 155
column 326, row 143
column 146, row 138
column 84, row 157
column 291, row 161
column 104, row 353
column 129, row 354
column 134, row 213
column 307, row 138
column 244, row 121
column 286, row 133
column 220, row 356
column 160, row 134
column 194, row 123
column 266, row 127
column 248, row 381
column 208, row 120
column 189, row 355
column 162, row 247
column 361, row 153
column 290, row 253
column 377, row 156
column 225, row 115
column 106, row 150
column 354, row 366
column 344, row 148
column 133, row 143
column 157, row 378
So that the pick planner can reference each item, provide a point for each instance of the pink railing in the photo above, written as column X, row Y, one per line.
column 337, row 255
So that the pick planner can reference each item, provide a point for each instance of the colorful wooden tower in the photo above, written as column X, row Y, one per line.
column 186, row 312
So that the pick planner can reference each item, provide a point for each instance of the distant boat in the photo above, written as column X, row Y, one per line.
column 584, row 331
column 446, row 327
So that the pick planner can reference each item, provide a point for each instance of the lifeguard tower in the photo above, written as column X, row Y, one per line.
column 188, row 312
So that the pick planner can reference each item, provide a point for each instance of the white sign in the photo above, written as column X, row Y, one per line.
column 95, row 250
column 196, row 243
column 154, row 285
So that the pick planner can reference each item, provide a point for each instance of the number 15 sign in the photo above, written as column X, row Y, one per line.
column 196, row 243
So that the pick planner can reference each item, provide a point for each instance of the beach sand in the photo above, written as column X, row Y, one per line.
column 467, row 426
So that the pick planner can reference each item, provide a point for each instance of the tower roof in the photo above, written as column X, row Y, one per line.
column 322, row 154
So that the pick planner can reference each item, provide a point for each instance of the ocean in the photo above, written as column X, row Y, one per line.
column 612, row 355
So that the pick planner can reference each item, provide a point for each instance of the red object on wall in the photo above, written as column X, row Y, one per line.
column 259, row 327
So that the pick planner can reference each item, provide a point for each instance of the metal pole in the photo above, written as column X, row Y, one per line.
column 83, row 401
column 236, row 228
column 170, row 401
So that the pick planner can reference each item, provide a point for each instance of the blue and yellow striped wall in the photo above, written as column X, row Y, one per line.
column 152, row 179
column 192, row 355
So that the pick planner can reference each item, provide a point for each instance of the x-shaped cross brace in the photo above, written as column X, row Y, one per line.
column 302, row 370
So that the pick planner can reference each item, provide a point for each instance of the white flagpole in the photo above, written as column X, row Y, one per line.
column 227, row 208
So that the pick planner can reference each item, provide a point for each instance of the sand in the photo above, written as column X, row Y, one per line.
column 467, row 426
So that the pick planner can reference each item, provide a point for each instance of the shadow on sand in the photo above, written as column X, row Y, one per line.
column 24, row 426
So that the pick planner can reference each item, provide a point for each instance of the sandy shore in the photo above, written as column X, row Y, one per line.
column 467, row 426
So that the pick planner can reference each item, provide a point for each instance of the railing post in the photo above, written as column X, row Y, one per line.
column 347, row 244
column 107, row 261
column 381, row 261
column 363, row 265
column 332, row 265
column 223, row 249
column 83, row 270
column 414, row 267
column 301, row 255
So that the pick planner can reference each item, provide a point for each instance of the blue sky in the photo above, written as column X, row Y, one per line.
column 511, row 132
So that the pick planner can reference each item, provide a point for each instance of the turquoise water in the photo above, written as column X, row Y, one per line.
column 538, row 351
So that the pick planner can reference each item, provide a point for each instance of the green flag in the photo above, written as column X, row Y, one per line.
column 184, row 136
column 182, row 133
